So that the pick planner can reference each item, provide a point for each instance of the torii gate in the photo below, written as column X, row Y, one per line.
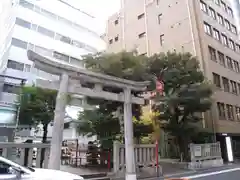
column 70, row 82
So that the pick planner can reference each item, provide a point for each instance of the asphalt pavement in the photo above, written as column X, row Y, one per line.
column 221, row 173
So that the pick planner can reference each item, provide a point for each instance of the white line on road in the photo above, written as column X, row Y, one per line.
column 212, row 173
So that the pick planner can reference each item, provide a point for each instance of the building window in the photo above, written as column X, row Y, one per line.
column 45, row 31
column 63, row 38
column 230, row 11
column 216, row 80
column 15, row 65
column 19, row 43
column 116, row 39
column 238, row 48
column 26, row 4
column 207, row 28
column 76, row 62
column 141, row 16
column 159, row 18
column 238, row 113
column 234, row 87
column 229, row 63
column 224, row 6
column 225, row 40
column 234, row 29
column 217, row 2
column 203, row 6
column 236, row 66
column 225, row 82
column 142, row 35
column 232, row 44
column 212, row 53
column 9, row 88
column 162, row 39
column 230, row 112
column 212, row 13
column 220, row 19
column 227, row 24
column 34, row 27
column 110, row 41
column 61, row 56
column 216, row 34
column 221, row 58
column 44, row 51
column 23, row 23
column 116, row 22
column 221, row 110
column 77, row 44
column 27, row 68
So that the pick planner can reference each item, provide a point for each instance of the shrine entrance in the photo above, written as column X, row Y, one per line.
column 71, row 80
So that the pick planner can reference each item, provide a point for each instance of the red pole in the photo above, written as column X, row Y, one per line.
column 156, row 156
column 109, row 160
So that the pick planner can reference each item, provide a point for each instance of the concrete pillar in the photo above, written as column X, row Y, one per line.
column 57, row 134
column 128, row 135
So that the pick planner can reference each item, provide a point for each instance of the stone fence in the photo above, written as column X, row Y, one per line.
column 205, row 155
column 26, row 154
column 145, row 156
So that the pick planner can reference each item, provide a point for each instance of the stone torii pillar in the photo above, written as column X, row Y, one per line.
column 70, row 83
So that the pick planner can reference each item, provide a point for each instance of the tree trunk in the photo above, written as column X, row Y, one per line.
column 183, row 147
column 44, row 140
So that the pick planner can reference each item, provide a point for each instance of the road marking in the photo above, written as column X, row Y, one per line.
column 212, row 173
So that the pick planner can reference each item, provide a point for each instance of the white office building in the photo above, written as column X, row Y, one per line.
column 53, row 29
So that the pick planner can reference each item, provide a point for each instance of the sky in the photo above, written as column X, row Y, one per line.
column 101, row 9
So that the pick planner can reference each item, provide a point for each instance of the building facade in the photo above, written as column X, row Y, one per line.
column 205, row 28
column 53, row 29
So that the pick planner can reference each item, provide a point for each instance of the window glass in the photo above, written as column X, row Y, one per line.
column 220, row 19
column 19, row 43
column 43, row 51
column 23, row 23
column 207, row 28
column 26, row 4
column 61, row 56
column 77, row 44
column 34, row 27
column 15, row 65
column 225, row 40
column 76, row 62
column 9, row 88
column 4, row 168
column 63, row 38
column 45, row 31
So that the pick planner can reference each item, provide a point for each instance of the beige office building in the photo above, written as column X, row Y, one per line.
column 206, row 28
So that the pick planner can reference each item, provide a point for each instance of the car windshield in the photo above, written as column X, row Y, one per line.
column 25, row 169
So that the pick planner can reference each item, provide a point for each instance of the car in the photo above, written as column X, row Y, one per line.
column 10, row 170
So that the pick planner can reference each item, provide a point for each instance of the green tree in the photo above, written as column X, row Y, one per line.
column 124, row 65
column 186, row 96
column 37, row 106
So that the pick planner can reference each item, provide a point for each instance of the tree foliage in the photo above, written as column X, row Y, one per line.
column 37, row 107
column 186, row 95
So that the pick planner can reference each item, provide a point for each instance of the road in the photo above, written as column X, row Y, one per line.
column 217, row 174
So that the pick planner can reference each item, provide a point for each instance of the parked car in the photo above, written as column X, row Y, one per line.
column 10, row 170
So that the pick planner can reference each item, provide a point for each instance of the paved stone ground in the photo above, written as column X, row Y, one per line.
column 81, row 170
